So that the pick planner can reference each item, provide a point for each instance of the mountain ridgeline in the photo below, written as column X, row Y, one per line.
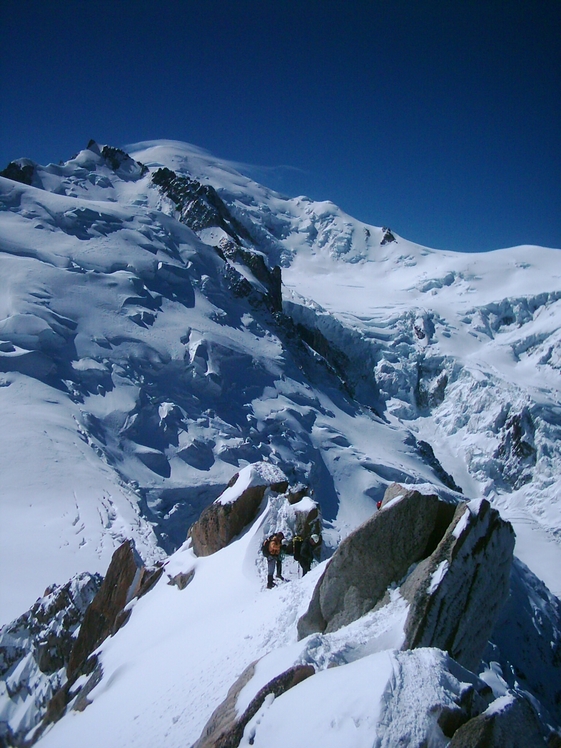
column 190, row 362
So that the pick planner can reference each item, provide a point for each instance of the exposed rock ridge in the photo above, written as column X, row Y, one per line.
column 126, row 578
column 223, row 520
column 19, row 173
column 199, row 205
column 225, row 728
column 34, row 651
column 452, row 564
column 457, row 593
column 374, row 556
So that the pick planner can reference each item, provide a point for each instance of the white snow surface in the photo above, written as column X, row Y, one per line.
column 164, row 673
column 258, row 474
column 135, row 381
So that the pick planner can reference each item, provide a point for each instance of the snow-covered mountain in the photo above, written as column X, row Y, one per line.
column 166, row 321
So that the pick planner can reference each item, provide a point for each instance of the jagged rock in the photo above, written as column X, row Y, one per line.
column 526, row 641
column 126, row 577
column 235, row 508
column 225, row 727
column 457, row 593
column 517, row 452
column 199, row 205
column 510, row 722
column 18, row 173
column 388, row 236
column 427, row 453
column 35, row 649
column 307, row 518
column 122, row 164
column 105, row 614
column 255, row 261
column 182, row 579
column 406, row 530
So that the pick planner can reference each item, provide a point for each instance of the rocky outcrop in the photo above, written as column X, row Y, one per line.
column 509, row 721
column 526, row 641
column 235, row 508
column 457, row 593
column 271, row 279
column 126, row 577
column 122, row 164
column 17, row 172
column 35, row 649
column 387, row 237
column 452, row 564
column 225, row 727
column 199, row 205
column 377, row 554
column 306, row 517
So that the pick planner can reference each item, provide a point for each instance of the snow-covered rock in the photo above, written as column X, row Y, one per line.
column 235, row 508
column 508, row 721
column 458, row 592
column 226, row 726
column 159, row 334
column 377, row 554
column 34, row 652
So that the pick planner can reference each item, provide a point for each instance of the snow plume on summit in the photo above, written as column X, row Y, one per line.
column 165, row 323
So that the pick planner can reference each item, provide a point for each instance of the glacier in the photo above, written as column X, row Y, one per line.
column 166, row 321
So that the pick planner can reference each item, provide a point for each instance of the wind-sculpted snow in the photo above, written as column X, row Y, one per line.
column 161, row 355
column 34, row 651
column 157, row 336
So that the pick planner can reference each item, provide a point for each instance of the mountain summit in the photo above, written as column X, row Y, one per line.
column 166, row 324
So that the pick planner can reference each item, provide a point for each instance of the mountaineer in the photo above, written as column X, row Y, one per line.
column 273, row 548
column 309, row 551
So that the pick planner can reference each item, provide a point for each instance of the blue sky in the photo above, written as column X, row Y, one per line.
column 441, row 119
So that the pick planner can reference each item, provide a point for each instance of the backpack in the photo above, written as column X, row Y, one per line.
column 266, row 547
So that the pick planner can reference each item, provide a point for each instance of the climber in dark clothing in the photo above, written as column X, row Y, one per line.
column 272, row 550
column 309, row 551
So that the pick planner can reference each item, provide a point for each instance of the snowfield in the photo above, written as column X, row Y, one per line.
column 149, row 350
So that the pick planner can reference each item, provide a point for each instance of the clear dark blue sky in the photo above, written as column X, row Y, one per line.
column 440, row 119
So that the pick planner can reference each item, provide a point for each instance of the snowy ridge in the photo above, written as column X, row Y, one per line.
column 146, row 356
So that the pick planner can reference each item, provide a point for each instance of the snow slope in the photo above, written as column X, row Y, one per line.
column 169, row 668
column 143, row 362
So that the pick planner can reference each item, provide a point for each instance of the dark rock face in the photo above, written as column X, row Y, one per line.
column 201, row 207
column 122, row 164
column 105, row 614
column 45, row 635
column 199, row 204
column 126, row 578
column 457, row 593
column 374, row 556
column 388, row 236
column 225, row 728
column 526, row 641
column 515, row 725
column 23, row 174
column 271, row 279
column 517, row 452
column 221, row 522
